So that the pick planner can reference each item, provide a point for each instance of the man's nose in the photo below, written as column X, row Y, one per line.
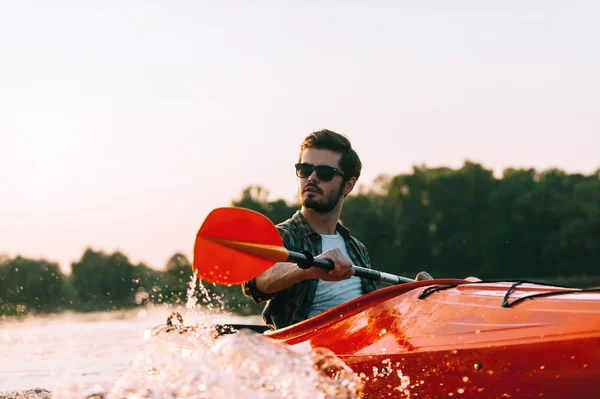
column 313, row 176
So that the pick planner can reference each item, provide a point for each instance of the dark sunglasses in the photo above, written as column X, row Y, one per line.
column 324, row 172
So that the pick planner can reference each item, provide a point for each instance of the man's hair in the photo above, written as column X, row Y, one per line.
column 328, row 140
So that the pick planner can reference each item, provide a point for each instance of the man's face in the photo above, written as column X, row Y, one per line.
column 314, row 193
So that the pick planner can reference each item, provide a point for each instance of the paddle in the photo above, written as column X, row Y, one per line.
column 234, row 245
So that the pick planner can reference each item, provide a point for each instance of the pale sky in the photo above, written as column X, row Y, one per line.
column 123, row 123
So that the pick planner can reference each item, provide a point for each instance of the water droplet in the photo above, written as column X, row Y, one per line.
column 542, row 367
column 465, row 379
column 460, row 390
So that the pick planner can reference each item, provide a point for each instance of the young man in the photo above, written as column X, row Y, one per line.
column 327, row 171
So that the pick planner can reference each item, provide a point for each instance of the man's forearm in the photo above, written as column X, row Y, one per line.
column 281, row 276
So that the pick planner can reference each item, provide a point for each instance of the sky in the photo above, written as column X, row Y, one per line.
column 123, row 123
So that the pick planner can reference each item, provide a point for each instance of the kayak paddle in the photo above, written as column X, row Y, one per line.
column 234, row 245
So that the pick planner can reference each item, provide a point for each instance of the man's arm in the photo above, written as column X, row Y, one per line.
column 283, row 275
column 280, row 276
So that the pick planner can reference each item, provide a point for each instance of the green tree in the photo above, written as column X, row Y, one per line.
column 148, row 284
column 508, row 246
column 177, row 278
column 256, row 198
column 462, row 219
column 31, row 285
column 102, row 280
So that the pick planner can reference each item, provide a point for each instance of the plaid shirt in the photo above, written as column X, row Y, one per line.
column 292, row 305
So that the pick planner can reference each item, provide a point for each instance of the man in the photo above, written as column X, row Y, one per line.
column 327, row 171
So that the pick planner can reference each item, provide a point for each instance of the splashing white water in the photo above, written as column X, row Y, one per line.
column 193, row 362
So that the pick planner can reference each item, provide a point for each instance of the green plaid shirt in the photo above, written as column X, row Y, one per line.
column 293, row 304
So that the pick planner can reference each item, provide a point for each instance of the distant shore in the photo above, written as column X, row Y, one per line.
column 589, row 282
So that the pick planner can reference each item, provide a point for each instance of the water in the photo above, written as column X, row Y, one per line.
column 114, row 355
column 44, row 351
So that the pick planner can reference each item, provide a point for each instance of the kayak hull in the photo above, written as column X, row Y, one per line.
column 521, row 371
column 445, row 338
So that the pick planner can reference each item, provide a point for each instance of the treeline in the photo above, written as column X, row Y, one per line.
column 450, row 222
column 101, row 281
column 466, row 222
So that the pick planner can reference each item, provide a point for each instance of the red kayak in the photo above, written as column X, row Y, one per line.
column 445, row 338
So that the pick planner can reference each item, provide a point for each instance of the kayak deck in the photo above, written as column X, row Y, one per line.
column 483, row 339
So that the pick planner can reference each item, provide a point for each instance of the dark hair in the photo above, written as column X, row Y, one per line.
column 328, row 140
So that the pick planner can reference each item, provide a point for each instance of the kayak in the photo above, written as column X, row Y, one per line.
column 452, row 338
column 444, row 338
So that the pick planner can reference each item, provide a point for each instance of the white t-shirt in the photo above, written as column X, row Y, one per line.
column 333, row 293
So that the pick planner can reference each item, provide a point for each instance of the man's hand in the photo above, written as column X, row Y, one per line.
column 342, row 268
column 284, row 274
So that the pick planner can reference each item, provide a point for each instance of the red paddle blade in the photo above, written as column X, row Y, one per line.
column 235, row 245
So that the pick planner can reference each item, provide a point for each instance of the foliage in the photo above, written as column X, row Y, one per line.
column 256, row 198
column 28, row 285
column 103, row 280
column 452, row 223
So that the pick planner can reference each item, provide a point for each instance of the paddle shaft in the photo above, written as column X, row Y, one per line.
column 327, row 264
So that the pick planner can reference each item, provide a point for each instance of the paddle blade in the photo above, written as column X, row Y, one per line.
column 235, row 245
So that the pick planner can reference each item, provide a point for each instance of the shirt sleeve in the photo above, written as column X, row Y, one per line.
column 249, row 288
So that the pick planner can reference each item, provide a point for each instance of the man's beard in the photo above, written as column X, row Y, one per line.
column 329, row 204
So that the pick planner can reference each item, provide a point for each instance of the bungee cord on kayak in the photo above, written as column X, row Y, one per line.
column 552, row 290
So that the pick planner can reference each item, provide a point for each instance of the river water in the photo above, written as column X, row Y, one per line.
column 115, row 355
column 46, row 351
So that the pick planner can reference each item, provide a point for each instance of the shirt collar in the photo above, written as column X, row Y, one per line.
column 307, row 230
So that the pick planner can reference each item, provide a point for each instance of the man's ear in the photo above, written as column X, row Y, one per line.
column 349, row 186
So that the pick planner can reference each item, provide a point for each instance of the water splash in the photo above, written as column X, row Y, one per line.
column 192, row 361
column 242, row 365
column 192, row 300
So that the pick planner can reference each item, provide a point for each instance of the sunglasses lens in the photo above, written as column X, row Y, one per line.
column 304, row 170
column 325, row 173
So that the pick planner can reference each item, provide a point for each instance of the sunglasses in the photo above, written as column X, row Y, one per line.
column 324, row 172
